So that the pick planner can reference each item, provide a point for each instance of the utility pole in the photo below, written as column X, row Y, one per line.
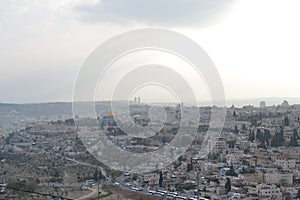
column 98, row 181
column 25, row 196
column 198, row 198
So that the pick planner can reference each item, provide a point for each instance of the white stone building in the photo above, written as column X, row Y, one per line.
column 265, row 191
column 279, row 178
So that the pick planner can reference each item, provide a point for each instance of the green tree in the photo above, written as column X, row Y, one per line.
column 98, row 175
column 161, row 179
column 253, row 122
column 286, row 121
column 231, row 143
column 293, row 141
column 243, row 126
column 298, row 194
column 234, row 114
column 260, row 116
column 267, row 136
column 236, row 130
column 243, row 170
column 251, row 136
column 227, row 185
column 190, row 166
column 260, row 136
column 231, row 172
column 278, row 139
column 70, row 122
column 263, row 136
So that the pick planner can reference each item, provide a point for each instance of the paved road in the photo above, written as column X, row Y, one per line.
column 61, row 184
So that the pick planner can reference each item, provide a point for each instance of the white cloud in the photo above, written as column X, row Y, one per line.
column 168, row 13
column 255, row 49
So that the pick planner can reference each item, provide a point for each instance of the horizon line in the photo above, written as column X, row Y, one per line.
column 235, row 101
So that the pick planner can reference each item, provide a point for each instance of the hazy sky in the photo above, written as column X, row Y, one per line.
column 254, row 44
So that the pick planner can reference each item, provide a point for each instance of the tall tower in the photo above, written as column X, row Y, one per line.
column 262, row 104
column 139, row 100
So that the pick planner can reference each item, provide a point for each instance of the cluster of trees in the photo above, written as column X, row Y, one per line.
column 23, row 185
column 202, row 128
column 294, row 138
column 231, row 172
column 277, row 140
column 87, row 173
column 69, row 122
column 98, row 175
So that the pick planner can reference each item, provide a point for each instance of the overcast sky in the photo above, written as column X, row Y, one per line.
column 254, row 44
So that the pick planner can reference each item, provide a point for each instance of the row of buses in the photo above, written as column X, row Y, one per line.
column 171, row 195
